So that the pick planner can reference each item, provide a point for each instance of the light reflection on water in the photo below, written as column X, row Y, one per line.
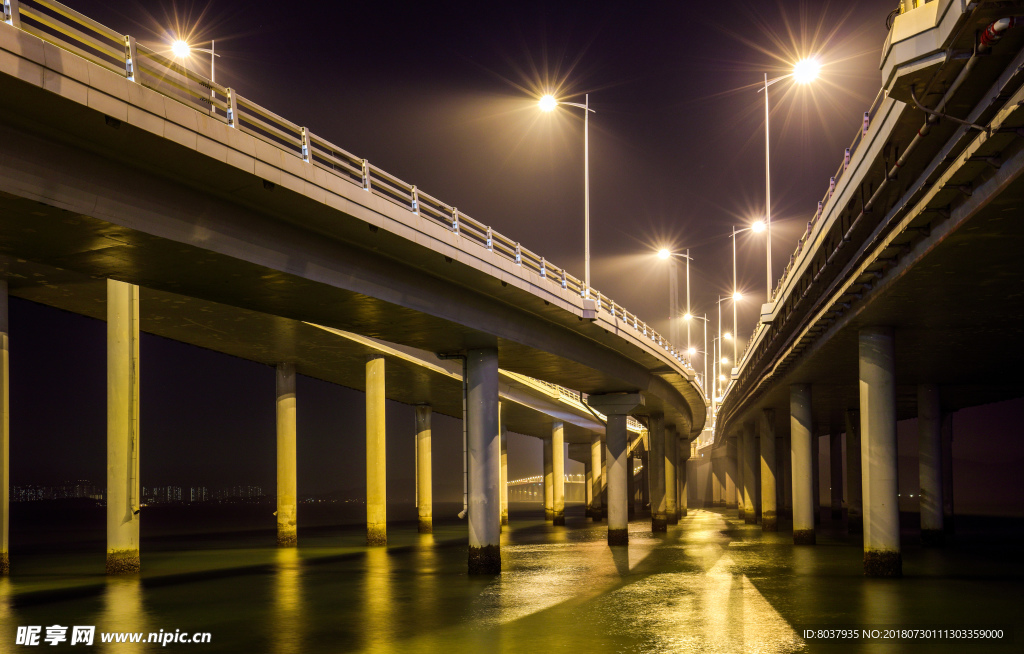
column 709, row 585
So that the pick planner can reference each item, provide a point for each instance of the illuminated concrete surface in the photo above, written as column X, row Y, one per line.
column 711, row 584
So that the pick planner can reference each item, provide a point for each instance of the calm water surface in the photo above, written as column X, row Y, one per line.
column 712, row 584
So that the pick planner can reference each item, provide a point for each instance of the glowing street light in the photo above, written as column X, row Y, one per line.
column 804, row 71
column 547, row 103
column 182, row 50
column 673, row 293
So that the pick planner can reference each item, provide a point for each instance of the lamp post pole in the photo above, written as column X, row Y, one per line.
column 767, row 192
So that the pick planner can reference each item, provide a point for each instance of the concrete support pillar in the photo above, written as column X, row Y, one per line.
column 604, row 477
column 645, row 473
column 947, row 473
column 484, row 461
column 751, row 461
column 5, row 435
column 596, row 507
column 671, row 461
column 684, row 456
column 558, row 472
column 631, row 484
column 376, row 460
column 741, row 508
column 588, row 485
column 717, row 490
column 816, row 472
column 835, row 477
column 656, row 475
column 800, row 432
column 854, row 512
column 424, row 470
column 549, row 480
column 617, row 407
column 122, row 428
column 769, row 517
column 786, row 463
column 503, row 480
column 929, row 426
column 882, row 557
column 730, row 470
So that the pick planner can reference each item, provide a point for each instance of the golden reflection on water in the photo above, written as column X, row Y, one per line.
column 287, row 621
column 123, row 611
column 379, row 619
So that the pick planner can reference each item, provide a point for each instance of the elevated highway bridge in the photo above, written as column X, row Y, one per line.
column 903, row 297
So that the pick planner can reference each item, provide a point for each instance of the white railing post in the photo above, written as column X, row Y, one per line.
column 846, row 159
column 415, row 200
column 831, row 186
column 12, row 15
column 129, row 57
column 366, row 175
column 519, row 255
column 490, row 243
column 455, row 220
column 867, row 123
column 232, row 108
column 304, row 136
column 564, row 283
column 543, row 268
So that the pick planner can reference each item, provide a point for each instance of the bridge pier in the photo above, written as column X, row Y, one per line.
column 716, row 481
column 801, row 435
column 854, row 513
column 503, row 478
column 287, row 486
column 376, row 459
column 682, row 504
column 617, row 407
column 484, row 461
column 424, row 470
column 786, row 461
column 929, row 426
column 671, row 462
column 5, row 435
column 769, row 518
column 882, row 556
column 731, row 467
column 558, row 472
column 596, row 473
column 750, row 464
column 631, row 483
column 656, row 474
column 816, row 474
column 588, row 487
column 123, row 498
column 549, row 481
column 835, row 479
column 741, row 507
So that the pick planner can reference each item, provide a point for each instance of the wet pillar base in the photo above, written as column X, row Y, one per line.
column 750, row 518
column 682, row 513
column 618, row 537
column 485, row 560
column 740, row 515
column 883, row 564
column 426, row 525
column 933, row 537
column 5, row 564
column 123, row 562
column 673, row 520
column 659, row 525
column 375, row 535
column 854, row 524
column 558, row 519
column 803, row 537
column 549, row 515
column 504, row 520
column 769, row 522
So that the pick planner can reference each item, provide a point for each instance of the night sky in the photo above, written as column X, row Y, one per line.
column 443, row 95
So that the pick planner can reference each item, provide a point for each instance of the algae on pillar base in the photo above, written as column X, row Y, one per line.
column 123, row 498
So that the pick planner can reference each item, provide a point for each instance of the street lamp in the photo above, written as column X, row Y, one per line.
column 182, row 50
column 548, row 103
column 804, row 71
column 673, row 293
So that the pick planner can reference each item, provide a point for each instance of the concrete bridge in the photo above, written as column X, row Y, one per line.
column 136, row 191
column 903, row 297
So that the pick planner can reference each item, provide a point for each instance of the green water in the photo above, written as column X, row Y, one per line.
column 712, row 584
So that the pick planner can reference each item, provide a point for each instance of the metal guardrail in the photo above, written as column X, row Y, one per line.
column 69, row 30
